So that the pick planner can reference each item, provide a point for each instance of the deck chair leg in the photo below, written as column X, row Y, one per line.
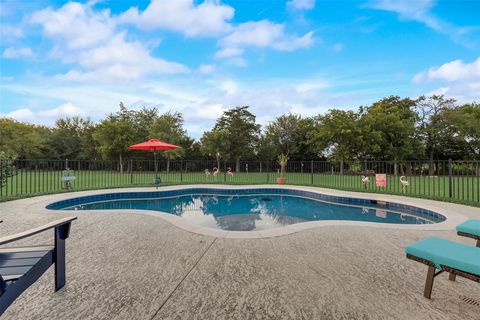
column 61, row 233
column 452, row 277
column 429, row 283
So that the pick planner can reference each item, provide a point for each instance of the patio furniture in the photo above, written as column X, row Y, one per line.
column 471, row 229
column 20, row 267
column 444, row 255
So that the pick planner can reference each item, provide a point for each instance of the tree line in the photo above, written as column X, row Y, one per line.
column 392, row 128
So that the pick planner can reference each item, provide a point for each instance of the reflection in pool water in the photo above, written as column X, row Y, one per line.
column 255, row 212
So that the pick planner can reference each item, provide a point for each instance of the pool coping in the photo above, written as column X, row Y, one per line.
column 454, row 213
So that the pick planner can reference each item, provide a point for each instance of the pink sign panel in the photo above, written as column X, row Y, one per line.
column 381, row 180
column 381, row 213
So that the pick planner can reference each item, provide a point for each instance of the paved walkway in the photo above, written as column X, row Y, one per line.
column 128, row 266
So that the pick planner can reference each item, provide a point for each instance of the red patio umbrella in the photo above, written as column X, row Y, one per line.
column 153, row 145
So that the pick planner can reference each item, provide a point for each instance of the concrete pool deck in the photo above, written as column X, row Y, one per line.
column 136, row 266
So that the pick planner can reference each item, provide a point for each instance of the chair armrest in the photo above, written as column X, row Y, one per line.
column 31, row 232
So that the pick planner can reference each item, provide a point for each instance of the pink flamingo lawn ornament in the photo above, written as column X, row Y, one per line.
column 229, row 172
column 215, row 171
column 404, row 182
column 365, row 181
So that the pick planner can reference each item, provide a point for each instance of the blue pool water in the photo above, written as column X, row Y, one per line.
column 246, row 212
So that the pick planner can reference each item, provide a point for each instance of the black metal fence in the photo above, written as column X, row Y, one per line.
column 457, row 181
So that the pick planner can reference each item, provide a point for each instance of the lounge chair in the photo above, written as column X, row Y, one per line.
column 471, row 229
column 21, row 267
column 444, row 255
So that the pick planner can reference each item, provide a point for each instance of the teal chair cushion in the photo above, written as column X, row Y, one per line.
column 447, row 253
column 470, row 226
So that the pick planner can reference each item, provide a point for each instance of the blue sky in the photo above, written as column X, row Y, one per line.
column 63, row 59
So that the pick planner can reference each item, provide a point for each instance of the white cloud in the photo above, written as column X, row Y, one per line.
column 12, row 53
column 455, row 70
column 121, row 60
column 229, row 52
column 64, row 110
column 462, row 92
column 200, row 104
column 10, row 32
column 420, row 11
column 415, row 10
column 75, row 25
column 301, row 4
column 463, row 79
column 211, row 112
column 47, row 116
column 206, row 69
column 208, row 18
column 229, row 87
column 89, row 40
column 261, row 34
column 23, row 114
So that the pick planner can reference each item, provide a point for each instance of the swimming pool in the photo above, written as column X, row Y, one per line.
column 253, row 209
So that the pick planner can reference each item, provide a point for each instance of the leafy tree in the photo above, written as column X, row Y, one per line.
column 215, row 143
column 168, row 127
column 281, row 133
column 113, row 137
column 143, row 120
column 464, row 122
column 20, row 140
column 289, row 134
column 337, row 135
column 89, row 147
column 393, row 133
column 242, row 133
column 266, row 149
column 7, row 168
column 431, row 125
column 70, row 138
column 304, row 148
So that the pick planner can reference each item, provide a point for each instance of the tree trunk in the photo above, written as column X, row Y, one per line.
column 409, row 168
column 431, row 168
column 121, row 163
column 218, row 163
column 168, row 164
column 341, row 167
column 395, row 168
column 237, row 164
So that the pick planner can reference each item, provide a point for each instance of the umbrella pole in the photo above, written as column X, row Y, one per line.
column 156, row 165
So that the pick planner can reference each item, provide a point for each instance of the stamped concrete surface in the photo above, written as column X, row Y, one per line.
column 122, row 265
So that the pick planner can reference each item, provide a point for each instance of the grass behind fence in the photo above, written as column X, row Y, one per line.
column 465, row 189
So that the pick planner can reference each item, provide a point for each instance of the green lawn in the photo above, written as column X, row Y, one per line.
column 27, row 183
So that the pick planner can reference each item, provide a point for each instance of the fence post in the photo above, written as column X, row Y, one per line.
column 450, row 180
column 311, row 171
column 224, row 171
column 3, row 173
column 268, row 171
column 181, row 170
column 131, row 171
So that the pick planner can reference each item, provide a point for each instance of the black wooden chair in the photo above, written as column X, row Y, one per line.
column 21, row 267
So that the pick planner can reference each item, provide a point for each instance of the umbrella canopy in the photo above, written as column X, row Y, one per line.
column 153, row 145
